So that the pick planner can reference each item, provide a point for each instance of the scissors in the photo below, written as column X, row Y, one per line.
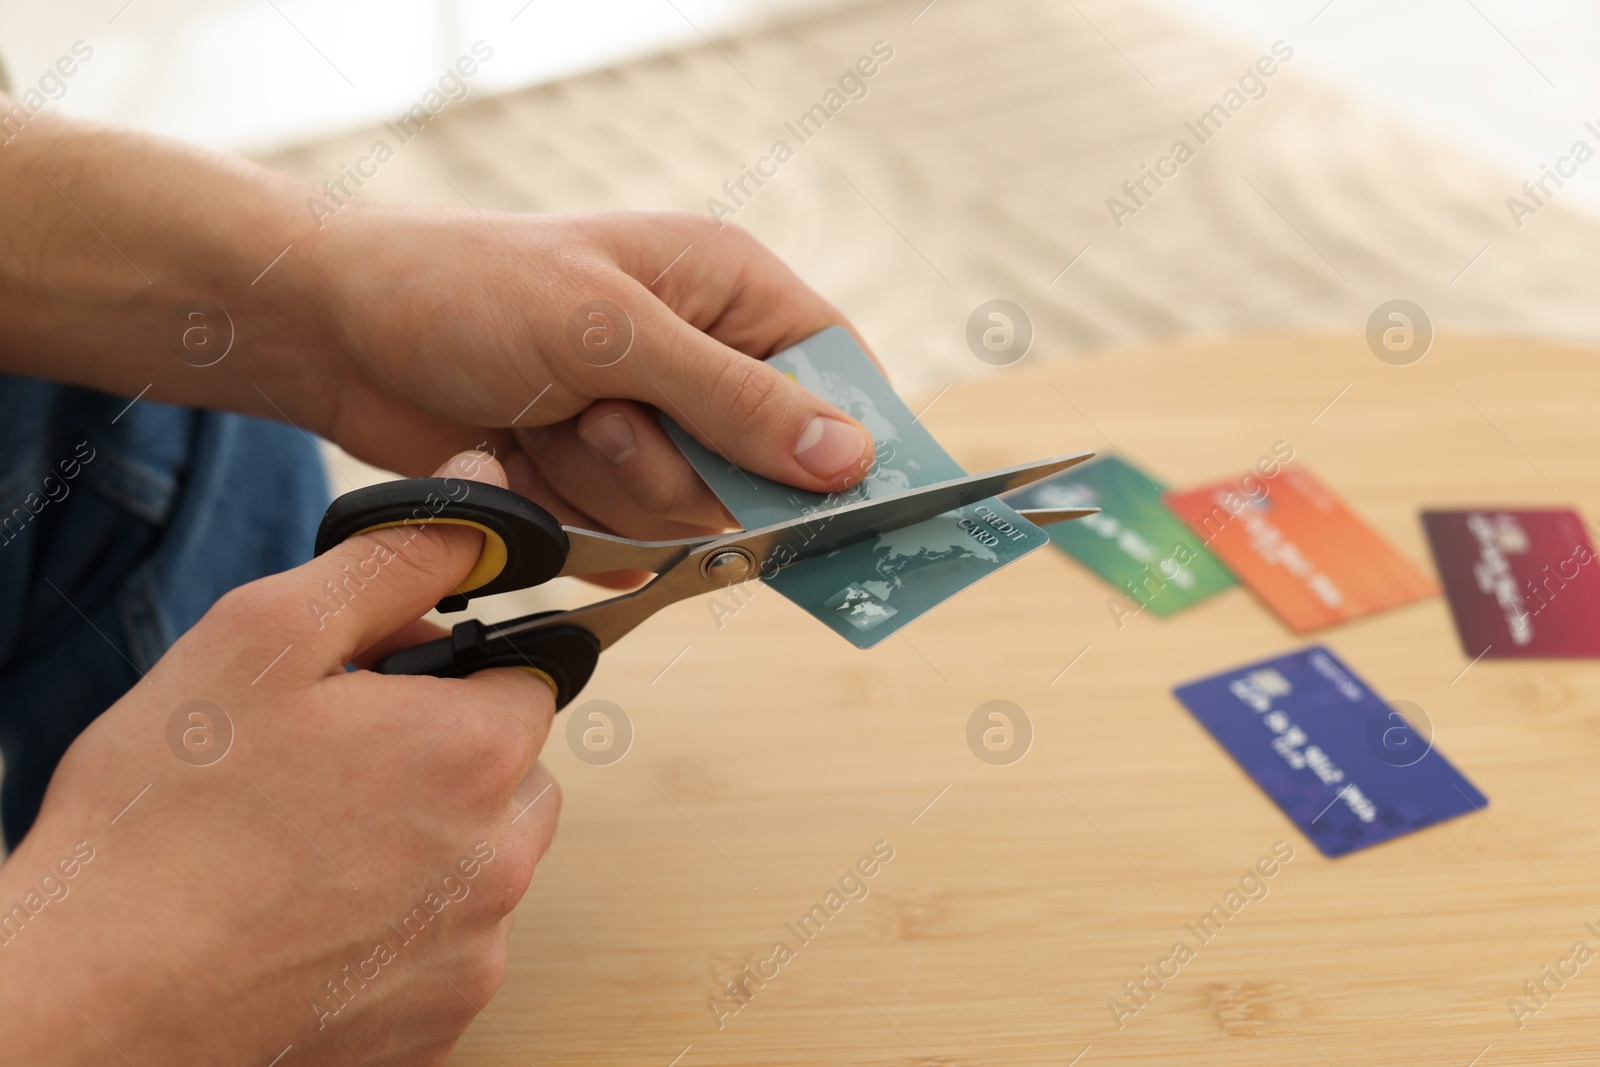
column 525, row 546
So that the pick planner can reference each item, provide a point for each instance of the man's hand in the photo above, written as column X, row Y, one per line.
column 578, row 329
column 340, row 879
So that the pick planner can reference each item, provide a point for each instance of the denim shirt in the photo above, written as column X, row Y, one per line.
column 120, row 525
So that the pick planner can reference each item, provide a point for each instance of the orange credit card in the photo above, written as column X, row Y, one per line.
column 1300, row 548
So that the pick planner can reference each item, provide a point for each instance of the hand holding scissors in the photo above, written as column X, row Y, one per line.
column 524, row 547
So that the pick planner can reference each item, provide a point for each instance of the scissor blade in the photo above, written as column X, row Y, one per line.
column 823, row 532
column 591, row 552
column 682, row 564
column 1046, row 516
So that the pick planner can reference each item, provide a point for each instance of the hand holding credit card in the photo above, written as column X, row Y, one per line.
column 867, row 591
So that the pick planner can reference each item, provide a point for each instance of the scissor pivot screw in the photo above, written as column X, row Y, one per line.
column 728, row 566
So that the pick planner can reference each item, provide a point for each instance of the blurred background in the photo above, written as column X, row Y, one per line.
column 1376, row 165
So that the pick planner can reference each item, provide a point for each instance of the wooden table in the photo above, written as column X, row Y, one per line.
column 769, row 757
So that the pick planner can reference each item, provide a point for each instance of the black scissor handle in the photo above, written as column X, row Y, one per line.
column 564, row 656
column 523, row 545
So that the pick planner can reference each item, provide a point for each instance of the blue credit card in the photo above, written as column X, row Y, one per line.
column 1342, row 762
column 868, row 590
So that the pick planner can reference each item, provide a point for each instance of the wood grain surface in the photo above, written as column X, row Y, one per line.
column 768, row 757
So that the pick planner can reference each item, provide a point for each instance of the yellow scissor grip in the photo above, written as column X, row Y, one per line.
column 523, row 545
column 491, row 561
column 544, row 676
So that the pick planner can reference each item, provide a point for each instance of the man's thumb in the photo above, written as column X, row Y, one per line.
column 376, row 582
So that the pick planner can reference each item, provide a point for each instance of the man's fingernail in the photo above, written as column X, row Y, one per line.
column 611, row 438
column 472, row 466
column 828, row 447
column 460, row 465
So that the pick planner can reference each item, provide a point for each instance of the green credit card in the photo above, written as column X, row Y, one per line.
column 869, row 590
column 1135, row 543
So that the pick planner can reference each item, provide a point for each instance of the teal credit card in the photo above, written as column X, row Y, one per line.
column 1135, row 543
column 869, row 590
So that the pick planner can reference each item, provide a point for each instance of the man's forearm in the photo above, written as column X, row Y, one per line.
column 105, row 236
